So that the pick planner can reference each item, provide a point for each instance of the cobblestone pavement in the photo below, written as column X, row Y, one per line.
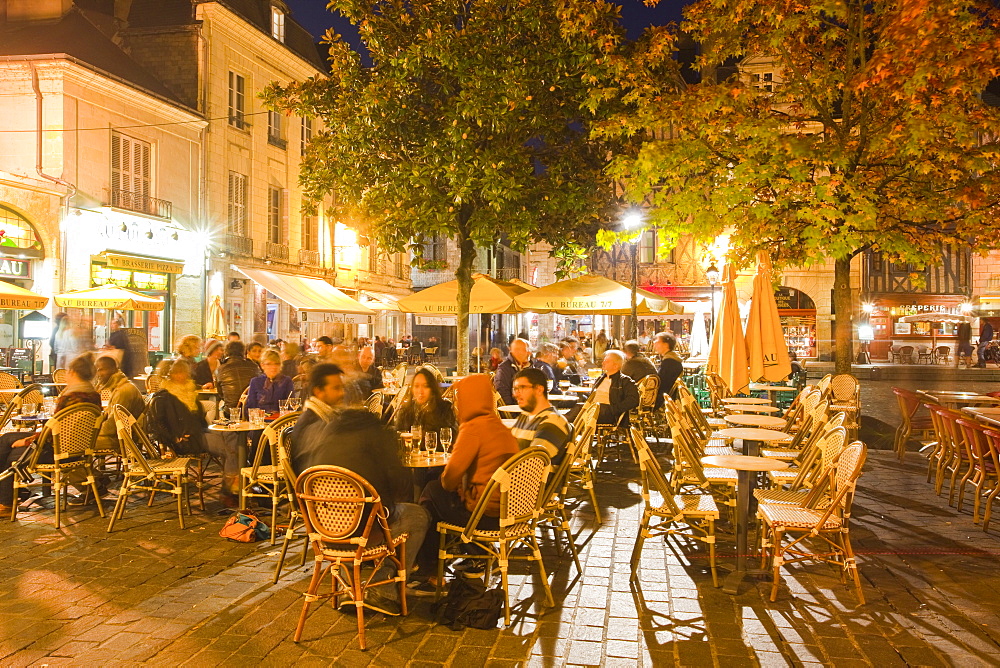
column 153, row 593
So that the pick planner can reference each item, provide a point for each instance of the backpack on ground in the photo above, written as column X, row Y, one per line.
column 470, row 604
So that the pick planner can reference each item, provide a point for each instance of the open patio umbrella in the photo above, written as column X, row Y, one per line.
column 13, row 297
column 489, row 295
column 727, row 356
column 215, row 322
column 593, row 295
column 766, row 347
column 109, row 297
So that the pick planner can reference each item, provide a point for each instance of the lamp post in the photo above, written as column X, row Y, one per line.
column 712, row 274
column 632, row 220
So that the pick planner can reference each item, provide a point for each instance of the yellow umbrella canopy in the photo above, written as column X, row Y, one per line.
column 727, row 355
column 766, row 347
column 13, row 297
column 109, row 297
column 593, row 294
column 489, row 295
column 215, row 322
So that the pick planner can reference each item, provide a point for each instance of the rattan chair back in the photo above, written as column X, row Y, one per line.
column 59, row 376
column 400, row 373
column 652, row 475
column 9, row 381
column 520, row 481
column 844, row 389
column 337, row 504
column 73, row 431
column 824, row 384
column 153, row 383
column 269, row 438
column 436, row 372
column 373, row 404
column 648, row 387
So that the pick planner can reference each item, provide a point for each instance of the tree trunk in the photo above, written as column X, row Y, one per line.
column 467, row 256
column 843, row 329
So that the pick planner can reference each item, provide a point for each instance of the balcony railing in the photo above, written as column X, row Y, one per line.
column 277, row 141
column 310, row 258
column 508, row 273
column 273, row 251
column 239, row 245
column 151, row 206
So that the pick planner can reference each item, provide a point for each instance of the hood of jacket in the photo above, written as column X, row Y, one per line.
column 354, row 419
column 474, row 397
column 112, row 383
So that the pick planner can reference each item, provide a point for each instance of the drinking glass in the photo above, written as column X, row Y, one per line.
column 50, row 405
column 564, row 385
column 431, row 441
column 283, row 406
column 445, row 435
column 29, row 409
column 294, row 403
column 418, row 437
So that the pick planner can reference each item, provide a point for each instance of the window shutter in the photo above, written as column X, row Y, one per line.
column 116, row 161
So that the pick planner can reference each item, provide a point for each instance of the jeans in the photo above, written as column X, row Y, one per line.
column 9, row 455
column 445, row 506
column 225, row 447
column 408, row 518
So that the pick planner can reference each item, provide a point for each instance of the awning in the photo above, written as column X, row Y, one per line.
column 14, row 297
column 109, row 297
column 305, row 293
column 143, row 263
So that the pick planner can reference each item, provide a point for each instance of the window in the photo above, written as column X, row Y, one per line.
column 310, row 233
column 763, row 81
column 649, row 245
column 277, row 24
column 372, row 256
column 307, row 133
column 274, row 129
column 274, row 232
column 237, row 101
column 400, row 265
column 130, row 173
column 436, row 249
column 237, row 204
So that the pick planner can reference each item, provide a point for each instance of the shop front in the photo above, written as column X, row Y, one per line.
column 21, row 254
column 884, row 313
column 797, row 312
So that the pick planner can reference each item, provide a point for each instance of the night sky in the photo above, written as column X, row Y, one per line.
column 635, row 16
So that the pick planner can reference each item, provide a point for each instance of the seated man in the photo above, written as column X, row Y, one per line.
column 546, row 360
column 123, row 393
column 540, row 423
column 356, row 440
column 566, row 367
column 615, row 392
column 637, row 365
column 670, row 364
column 233, row 376
column 519, row 358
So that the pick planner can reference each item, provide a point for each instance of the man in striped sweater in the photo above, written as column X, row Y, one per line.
column 540, row 423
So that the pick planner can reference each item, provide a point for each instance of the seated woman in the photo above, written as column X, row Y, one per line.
column 176, row 419
column 268, row 389
column 204, row 371
column 300, row 383
column 79, row 389
column 496, row 357
column 188, row 349
column 425, row 406
column 482, row 445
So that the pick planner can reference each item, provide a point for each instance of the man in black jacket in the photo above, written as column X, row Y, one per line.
column 328, row 434
column 518, row 359
column 234, row 375
column 670, row 364
column 614, row 392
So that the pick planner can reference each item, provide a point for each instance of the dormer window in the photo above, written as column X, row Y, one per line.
column 277, row 23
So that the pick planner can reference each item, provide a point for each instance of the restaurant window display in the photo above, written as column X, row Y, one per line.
column 797, row 312
column 149, row 283
column 890, row 333
column 20, row 250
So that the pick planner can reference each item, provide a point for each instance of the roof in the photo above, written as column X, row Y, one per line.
column 73, row 35
column 161, row 13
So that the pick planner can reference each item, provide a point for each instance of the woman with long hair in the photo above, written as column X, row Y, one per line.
column 425, row 406
column 204, row 371
column 188, row 349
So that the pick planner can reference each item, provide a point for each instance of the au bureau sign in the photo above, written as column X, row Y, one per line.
column 13, row 268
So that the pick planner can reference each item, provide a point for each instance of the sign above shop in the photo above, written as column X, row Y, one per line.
column 139, row 263
column 11, row 268
column 789, row 299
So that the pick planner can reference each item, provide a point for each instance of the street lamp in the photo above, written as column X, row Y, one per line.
column 712, row 274
column 632, row 220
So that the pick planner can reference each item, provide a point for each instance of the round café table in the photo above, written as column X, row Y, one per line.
column 242, row 428
column 419, row 459
column 772, row 390
column 746, row 470
column 763, row 421
column 752, row 408
column 745, row 400
column 508, row 422
column 563, row 400
column 512, row 409
column 752, row 437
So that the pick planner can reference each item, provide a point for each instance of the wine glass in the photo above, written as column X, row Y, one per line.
column 445, row 437
column 294, row 403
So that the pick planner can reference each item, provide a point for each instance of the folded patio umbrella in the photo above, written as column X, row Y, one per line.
column 766, row 348
column 215, row 322
column 727, row 355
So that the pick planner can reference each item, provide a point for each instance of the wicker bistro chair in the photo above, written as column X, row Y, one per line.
column 266, row 476
column 911, row 425
column 689, row 475
column 581, row 472
column 521, row 484
column 153, row 382
column 295, row 517
column 826, row 528
column 805, row 466
column 810, row 485
column 72, row 432
column 148, row 475
column 691, row 515
column 553, row 513
column 348, row 528
column 956, row 462
column 982, row 475
column 400, row 374
column 30, row 394
column 993, row 443
column 905, row 354
column 9, row 381
column 845, row 396
column 373, row 404
column 646, row 413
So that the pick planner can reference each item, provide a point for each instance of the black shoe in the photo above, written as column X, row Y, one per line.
column 378, row 603
column 424, row 588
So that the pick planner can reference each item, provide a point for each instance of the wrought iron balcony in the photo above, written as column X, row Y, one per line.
column 274, row 140
column 151, row 206
column 508, row 273
column 310, row 258
column 238, row 244
column 273, row 251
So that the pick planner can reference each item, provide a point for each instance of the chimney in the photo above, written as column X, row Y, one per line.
column 36, row 10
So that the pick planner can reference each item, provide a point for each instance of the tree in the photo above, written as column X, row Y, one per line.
column 469, row 123
column 870, row 134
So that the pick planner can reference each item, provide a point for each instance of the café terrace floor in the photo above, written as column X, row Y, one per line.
column 151, row 593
